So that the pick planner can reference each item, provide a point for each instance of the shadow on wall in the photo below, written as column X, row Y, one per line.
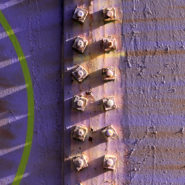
column 37, row 25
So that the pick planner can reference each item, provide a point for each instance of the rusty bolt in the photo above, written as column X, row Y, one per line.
column 109, row 162
column 80, row 132
column 80, row 14
column 80, row 44
column 79, row 73
column 109, row 44
column 109, row 14
column 80, row 162
column 109, row 132
column 109, row 103
column 79, row 102
column 108, row 74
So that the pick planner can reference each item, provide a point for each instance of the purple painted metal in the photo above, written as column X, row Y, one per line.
column 148, row 91
column 37, row 26
column 94, row 117
column 150, row 87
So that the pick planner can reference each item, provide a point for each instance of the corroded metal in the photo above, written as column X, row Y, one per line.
column 79, row 132
column 80, row 44
column 96, row 57
column 109, row 44
column 109, row 74
column 80, row 14
column 109, row 162
column 80, row 162
column 109, row 14
column 109, row 132
column 79, row 102
column 79, row 73
column 109, row 103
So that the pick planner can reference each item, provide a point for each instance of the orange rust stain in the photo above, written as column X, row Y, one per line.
column 166, row 167
column 155, row 52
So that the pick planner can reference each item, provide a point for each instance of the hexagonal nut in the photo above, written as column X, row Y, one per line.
column 79, row 102
column 80, row 73
column 79, row 132
column 80, row 44
column 109, row 162
column 80, row 14
column 109, row 14
column 80, row 162
column 109, row 74
column 109, row 132
column 109, row 44
column 109, row 103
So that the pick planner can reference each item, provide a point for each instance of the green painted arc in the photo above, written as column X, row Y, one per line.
column 30, row 99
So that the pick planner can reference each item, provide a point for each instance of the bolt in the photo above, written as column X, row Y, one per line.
column 110, row 14
column 80, row 14
column 80, row 132
column 110, row 43
column 109, row 132
column 80, row 73
column 80, row 44
column 109, row 73
column 79, row 163
column 109, row 162
column 80, row 103
column 110, row 103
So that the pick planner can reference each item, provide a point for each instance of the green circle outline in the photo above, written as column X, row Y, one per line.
column 30, row 99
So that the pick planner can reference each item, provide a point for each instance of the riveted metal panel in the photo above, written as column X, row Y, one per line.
column 95, row 89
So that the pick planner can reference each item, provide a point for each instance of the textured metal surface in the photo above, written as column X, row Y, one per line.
column 149, row 92
column 94, row 117
column 151, row 88
column 37, row 25
column 154, row 81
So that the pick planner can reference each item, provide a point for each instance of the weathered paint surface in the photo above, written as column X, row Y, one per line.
column 149, row 91
column 152, row 75
column 94, row 59
column 37, row 25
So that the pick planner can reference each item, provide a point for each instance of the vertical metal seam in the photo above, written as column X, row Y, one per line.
column 62, row 94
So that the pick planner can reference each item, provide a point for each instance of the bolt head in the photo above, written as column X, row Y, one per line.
column 79, row 163
column 110, row 13
column 80, row 103
column 80, row 44
column 109, row 162
column 80, row 73
column 80, row 14
column 109, row 132
column 110, row 103
column 109, row 73
column 110, row 43
column 80, row 132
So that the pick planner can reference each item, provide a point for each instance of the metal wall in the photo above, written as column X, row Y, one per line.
column 153, row 33
column 37, row 25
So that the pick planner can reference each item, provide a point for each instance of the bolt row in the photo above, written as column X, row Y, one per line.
column 80, row 102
